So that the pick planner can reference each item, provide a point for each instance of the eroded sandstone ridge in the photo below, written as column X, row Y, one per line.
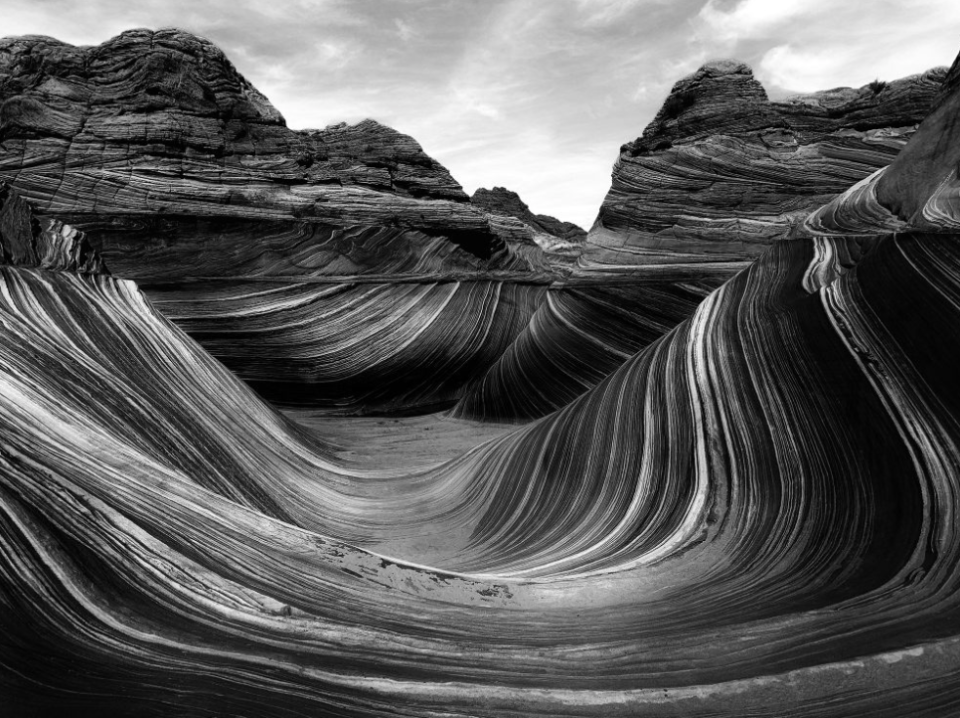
column 918, row 190
column 161, row 122
column 503, row 202
column 718, row 175
column 182, row 176
column 722, row 171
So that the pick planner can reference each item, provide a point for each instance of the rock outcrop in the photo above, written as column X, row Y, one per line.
column 501, row 201
column 177, row 172
column 27, row 241
column 722, row 171
column 161, row 123
column 719, row 174
column 917, row 191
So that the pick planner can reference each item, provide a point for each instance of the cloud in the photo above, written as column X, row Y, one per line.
column 405, row 30
column 337, row 55
column 604, row 12
column 752, row 18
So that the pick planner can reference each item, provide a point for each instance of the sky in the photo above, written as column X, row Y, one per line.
column 533, row 95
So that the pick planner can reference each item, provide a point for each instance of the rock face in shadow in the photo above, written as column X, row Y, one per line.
column 722, row 171
column 27, row 241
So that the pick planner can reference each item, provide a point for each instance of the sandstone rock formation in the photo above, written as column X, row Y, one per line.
column 177, row 171
column 719, row 174
column 753, row 515
column 918, row 190
column 49, row 244
column 722, row 171
column 501, row 201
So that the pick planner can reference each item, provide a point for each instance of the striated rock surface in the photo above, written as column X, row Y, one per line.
column 918, row 190
column 722, row 171
column 175, row 170
column 779, row 474
column 50, row 244
column 168, row 110
column 718, row 175
column 501, row 201
column 753, row 515
column 161, row 123
column 580, row 333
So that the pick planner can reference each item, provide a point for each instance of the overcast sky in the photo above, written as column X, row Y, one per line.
column 534, row 95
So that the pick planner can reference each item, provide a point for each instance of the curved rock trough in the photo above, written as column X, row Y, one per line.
column 748, row 508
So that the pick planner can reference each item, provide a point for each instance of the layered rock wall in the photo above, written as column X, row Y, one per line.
column 722, row 171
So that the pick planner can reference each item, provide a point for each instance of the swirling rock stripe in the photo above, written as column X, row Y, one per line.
column 354, row 348
column 47, row 243
column 753, row 515
column 578, row 335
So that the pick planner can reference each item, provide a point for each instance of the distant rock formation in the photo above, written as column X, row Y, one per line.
column 722, row 171
column 161, row 123
column 501, row 201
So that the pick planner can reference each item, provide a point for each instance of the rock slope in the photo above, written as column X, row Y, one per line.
column 152, row 122
column 719, row 174
column 722, row 171
column 177, row 171
column 918, row 190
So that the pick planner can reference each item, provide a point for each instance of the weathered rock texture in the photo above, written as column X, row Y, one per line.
column 754, row 515
column 27, row 241
column 176, row 171
column 719, row 174
column 918, row 190
column 161, row 123
column 501, row 201
column 722, row 171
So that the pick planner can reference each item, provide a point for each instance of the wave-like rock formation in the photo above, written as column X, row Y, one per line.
column 719, row 174
column 776, row 475
column 721, row 171
column 753, row 515
column 386, row 348
column 580, row 333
